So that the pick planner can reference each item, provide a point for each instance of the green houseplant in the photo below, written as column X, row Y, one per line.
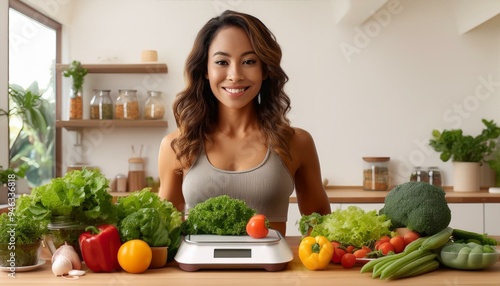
column 34, row 144
column 460, row 148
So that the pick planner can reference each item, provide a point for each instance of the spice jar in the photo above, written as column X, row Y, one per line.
column 419, row 175
column 127, row 105
column 136, row 174
column 154, row 107
column 376, row 174
column 101, row 105
column 434, row 176
column 75, row 104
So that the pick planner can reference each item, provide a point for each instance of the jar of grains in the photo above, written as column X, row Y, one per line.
column 127, row 105
column 434, row 176
column 376, row 174
column 154, row 107
column 75, row 104
column 101, row 105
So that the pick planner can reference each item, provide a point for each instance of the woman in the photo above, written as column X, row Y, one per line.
column 233, row 135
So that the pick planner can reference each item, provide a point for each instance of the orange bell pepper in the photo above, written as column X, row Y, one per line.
column 315, row 252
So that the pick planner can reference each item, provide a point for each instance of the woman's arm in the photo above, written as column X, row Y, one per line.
column 311, row 195
column 169, row 173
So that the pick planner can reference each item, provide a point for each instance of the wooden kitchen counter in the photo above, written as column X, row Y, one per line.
column 295, row 274
column 339, row 194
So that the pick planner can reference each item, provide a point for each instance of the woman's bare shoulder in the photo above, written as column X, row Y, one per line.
column 301, row 137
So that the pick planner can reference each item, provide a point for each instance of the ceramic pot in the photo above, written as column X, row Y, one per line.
column 466, row 177
column 159, row 259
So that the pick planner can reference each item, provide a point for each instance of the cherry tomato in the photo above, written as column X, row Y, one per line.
column 360, row 253
column 336, row 244
column 386, row 247
column 411, row 236
column 348, row 260
column 366, row 248
column 381, row 240
column 257, row 226
column 350, row 249
column 338, row 253
column 398, row 243
column 134, row 256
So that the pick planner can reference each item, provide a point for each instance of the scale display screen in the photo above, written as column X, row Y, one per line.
column 232, row 253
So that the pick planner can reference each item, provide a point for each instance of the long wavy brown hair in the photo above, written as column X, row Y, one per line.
column 196, row 108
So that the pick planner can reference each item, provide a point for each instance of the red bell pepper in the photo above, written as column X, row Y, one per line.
column 100, row 247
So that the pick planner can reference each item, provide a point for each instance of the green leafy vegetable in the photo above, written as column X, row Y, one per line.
column 146, row 224
column 221, row 215
column 144, row 205
column 352, row 226
column 82, row 194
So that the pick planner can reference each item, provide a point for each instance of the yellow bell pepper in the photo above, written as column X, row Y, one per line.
column 315, row 252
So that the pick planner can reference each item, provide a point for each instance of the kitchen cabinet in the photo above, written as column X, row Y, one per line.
column 491, row 215
column 467, row 216
column 79, row 125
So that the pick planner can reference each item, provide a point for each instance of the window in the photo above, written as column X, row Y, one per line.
column 34, row 49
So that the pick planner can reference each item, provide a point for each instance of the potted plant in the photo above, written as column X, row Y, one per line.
column 467, row 153
column 494, row 164
column 20, row 236
column 77, row 73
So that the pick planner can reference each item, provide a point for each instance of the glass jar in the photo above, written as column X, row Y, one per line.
column 136, row 175
column 127, row 105
column 66, row 229
column 75, row 104
column 101, row 105
column 376, row 174
column 154, row 108
column 419, row 175
column 434, row 176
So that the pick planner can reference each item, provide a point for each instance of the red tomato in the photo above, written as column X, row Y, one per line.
column 338, row 253
column 348, row 260
column 411, row 236
column 386, row 247
column 336, row 244
column 257, row 226
column 350, row 249
column 381, row 240
column 360, row 253
column 398, row 243
column 366, row 248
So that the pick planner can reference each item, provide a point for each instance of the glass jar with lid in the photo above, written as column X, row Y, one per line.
column 127, row 105
column 154, row 108
column 376, row 173
column 434, row 176
column 65, row 229
column 419, row 175
column 101, row 105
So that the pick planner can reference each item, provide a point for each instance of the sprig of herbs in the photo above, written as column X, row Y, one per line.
column 77, row 72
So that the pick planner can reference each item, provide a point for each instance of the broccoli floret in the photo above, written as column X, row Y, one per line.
column 418, row 206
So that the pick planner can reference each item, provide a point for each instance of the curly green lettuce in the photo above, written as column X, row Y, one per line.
column 351, row 226
column 221, row 215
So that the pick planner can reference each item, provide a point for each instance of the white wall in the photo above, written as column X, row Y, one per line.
column 374, row 90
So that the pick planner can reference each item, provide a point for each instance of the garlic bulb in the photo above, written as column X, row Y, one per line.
column 61, row 266
column 69, row 252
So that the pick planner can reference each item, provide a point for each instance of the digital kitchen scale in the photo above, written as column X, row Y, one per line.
column 205, row 251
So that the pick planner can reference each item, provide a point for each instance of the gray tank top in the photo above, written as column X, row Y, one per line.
column 265, row 188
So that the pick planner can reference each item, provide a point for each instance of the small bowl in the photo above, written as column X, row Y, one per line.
column 159, row 258
column 469, row 261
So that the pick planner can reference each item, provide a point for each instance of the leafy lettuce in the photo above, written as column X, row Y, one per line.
column 81, row 194
column 221, row 215
column 351, row 226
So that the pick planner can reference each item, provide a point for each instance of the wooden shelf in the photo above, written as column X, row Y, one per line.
column 120, row 68
column 73, row 124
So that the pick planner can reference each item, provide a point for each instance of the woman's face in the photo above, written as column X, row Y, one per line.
column 233, row 69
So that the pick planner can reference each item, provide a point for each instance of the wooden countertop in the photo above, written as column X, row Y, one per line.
column 356, row 194
column 294, row 274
